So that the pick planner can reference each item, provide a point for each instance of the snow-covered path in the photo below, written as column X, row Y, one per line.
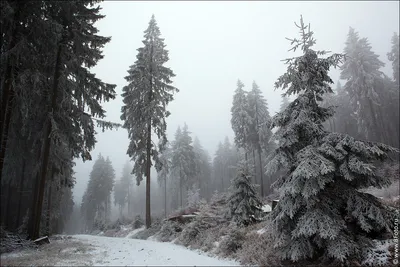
column 127, row 252
column 88, row 250
column 116, row 251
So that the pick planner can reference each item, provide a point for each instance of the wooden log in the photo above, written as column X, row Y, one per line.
column 42, row 241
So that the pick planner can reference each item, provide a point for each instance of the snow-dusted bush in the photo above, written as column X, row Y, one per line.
column 169, row 231
column 137, row 222
column 258, row 250
column 232, row 242
column 189, row 233
column 153, row 230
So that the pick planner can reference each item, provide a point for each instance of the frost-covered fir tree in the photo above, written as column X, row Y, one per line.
column 393, row 56
column 361, row 70
column 164, row 172
column 123, row 189
column 241, row 119
column 183, row 164
column 95, row 207
column 259, row 135
column 322, row 214
column 203, row 163
column 145, row 101
column 243, row 202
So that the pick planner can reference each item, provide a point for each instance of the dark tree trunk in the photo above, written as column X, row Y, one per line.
column 129, row 203
column 180, row 187
column 165, row 197
column 21, row 189
column 254, row 162
column 8, row 206
column 261, row 173
column 48, row 211
column 46, row 148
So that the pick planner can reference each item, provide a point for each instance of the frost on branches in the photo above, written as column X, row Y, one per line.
column 243, row 202
column 321, row 213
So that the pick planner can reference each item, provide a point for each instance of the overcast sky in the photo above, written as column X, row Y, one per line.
column 212, row 45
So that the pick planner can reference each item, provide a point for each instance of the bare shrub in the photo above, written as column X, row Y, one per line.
column 169, row 231
column 257, row 249
column 232, row 242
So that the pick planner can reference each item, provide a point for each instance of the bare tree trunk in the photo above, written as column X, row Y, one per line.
column 37, row 215
column 129, row 203
column 48, row 211
column 21, row 189
column 261, row 173
column 377, row 137
column 254, row 162
column 8, row 206
column 180, row 187
column 165, row 197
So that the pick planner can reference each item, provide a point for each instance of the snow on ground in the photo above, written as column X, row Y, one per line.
column 110, row 251
column 113, row 251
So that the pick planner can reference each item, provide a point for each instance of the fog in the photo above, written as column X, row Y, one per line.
column 212, row 45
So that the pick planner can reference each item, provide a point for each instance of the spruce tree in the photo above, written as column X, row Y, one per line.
column 96, row 200
column 183, row 162
column 259, row 135
column 322, row 214
column 393, row 56
column 361, row 70
column 203, row 176
column 145, row 101
column 243, row 202
column 241, row 119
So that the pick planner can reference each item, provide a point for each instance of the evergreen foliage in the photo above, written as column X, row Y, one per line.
column 145, row 98
column 241, row 120
column 96, row 202
column 243, row 202
column 322, row 213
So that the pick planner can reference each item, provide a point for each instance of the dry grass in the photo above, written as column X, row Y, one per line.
column 57, row 253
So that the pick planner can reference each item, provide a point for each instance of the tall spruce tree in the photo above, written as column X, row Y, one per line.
column 322, row 214
column 145, row 105
column 259, row 135
column 241, row 119
column 393, row 56
column 361, row 70
column 52, row 83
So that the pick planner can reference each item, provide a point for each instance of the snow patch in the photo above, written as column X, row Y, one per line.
column 266, row 208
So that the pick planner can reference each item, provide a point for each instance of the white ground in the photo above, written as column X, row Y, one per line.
column 112, row 251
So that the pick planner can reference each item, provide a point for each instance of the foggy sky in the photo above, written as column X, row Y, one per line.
column 211, row 45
